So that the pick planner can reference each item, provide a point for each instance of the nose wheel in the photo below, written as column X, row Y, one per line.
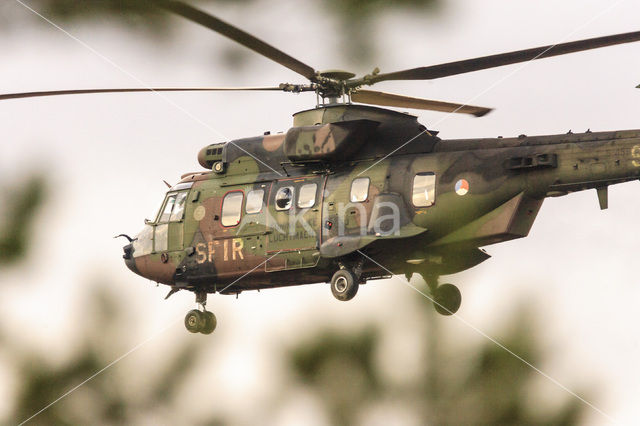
column 200, row 321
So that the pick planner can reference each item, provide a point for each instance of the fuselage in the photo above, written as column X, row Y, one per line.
column 363, row 183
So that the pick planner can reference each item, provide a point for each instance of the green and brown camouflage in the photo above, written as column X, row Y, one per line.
column 353, row 192
column 485, row 191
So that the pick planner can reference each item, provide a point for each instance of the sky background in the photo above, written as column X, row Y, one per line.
column 105, row 156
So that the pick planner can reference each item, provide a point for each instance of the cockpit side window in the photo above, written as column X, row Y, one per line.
column 168, row 207
column 173, row 207
column 178, row 207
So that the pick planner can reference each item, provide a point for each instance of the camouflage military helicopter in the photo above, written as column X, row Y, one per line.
column 353, row 192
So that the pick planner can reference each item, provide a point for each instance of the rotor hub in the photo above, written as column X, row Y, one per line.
column 339, row 75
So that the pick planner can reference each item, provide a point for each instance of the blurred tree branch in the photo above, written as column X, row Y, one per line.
column 492, row 387
column 105, row 399
column 356, row 18
column 21, row 206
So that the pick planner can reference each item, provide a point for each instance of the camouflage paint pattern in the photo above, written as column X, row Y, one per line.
column 486, row 191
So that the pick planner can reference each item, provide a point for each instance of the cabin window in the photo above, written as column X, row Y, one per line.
column 307, row 195
column 232, row 208
column 178, row 207
column 254, row 201
column 284, row 198
column 359, row 189
column 424, row 189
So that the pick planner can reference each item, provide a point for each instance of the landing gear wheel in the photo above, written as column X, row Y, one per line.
column 195, row 321
column 210, row 322
column 344, row 285
column 447, row 299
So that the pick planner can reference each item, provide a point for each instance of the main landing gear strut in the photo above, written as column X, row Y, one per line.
column 446, row 298
column 200, row 321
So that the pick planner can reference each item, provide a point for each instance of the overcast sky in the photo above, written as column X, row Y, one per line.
column 106, row 155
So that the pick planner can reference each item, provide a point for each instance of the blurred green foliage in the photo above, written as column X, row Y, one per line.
column 356, row 18
column 341, row 371
column 106, row 399
column 21, row 204
column 475, row 385
column 490, row 387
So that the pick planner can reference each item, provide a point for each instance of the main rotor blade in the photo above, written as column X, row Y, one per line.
column 236, row 34
column 161, row 89
column 389, row 99
column 492, row 61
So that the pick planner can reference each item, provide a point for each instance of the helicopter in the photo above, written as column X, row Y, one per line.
column 354, row 192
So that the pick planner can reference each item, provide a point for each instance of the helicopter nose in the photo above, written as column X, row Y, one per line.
column 128, row 258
